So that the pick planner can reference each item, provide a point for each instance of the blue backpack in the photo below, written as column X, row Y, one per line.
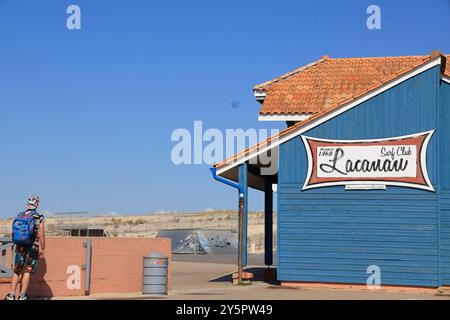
column 23, row 229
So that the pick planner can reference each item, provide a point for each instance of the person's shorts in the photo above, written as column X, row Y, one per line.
column 26, row 259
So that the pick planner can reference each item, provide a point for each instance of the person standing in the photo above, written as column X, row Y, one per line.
column 29, row 237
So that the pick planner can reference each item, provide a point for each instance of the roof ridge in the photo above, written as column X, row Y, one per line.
column 288, row 74
column 380, row 58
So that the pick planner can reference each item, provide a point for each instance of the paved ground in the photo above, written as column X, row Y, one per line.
column 252, row 259
column 205, row 280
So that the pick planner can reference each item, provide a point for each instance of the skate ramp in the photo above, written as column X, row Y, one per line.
column 201, row 241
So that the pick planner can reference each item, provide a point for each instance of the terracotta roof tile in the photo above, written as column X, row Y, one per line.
column 331, row 81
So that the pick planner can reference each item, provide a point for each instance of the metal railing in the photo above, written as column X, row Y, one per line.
column 7, row 257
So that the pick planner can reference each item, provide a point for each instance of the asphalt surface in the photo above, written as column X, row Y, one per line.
column 202, row 280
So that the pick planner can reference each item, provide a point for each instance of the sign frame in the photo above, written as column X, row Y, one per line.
column 421, row 161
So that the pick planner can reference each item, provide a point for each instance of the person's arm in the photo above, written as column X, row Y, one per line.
column 42, row 236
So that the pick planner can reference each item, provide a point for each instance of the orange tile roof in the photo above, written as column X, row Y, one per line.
column 413, row 62
column 331, row 81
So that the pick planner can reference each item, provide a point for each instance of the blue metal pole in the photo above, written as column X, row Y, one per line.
column 243, row 181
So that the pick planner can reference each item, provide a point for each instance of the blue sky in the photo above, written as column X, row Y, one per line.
column 86, row 115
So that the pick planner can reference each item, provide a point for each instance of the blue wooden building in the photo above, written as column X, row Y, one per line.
column 362, row 171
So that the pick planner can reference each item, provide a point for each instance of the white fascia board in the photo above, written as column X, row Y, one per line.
column 259, row 95
column 336, row 112
column 282, row 117
column 446, row 79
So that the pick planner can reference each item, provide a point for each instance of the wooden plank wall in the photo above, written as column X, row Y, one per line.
column 333, row 235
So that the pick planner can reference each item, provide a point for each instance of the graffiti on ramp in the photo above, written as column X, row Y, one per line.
column 201, row 241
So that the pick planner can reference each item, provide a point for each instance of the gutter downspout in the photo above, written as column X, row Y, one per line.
column 87, row 267
column 241, row 218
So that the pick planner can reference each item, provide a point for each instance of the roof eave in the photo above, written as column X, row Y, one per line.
column 446, row 78
column 301, row 116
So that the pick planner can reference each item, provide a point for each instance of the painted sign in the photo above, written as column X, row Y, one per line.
column 397, row 161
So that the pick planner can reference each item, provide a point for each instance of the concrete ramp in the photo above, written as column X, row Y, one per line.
column 201, row 241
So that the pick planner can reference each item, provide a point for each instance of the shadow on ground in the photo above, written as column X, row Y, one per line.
column 39, row 287
column 258, row 275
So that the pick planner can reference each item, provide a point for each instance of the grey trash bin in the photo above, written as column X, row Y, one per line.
column 155, row 272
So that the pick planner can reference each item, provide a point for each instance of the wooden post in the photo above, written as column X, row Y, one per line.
column 241, row 238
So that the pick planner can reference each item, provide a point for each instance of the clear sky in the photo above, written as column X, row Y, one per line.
column 86, row 115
